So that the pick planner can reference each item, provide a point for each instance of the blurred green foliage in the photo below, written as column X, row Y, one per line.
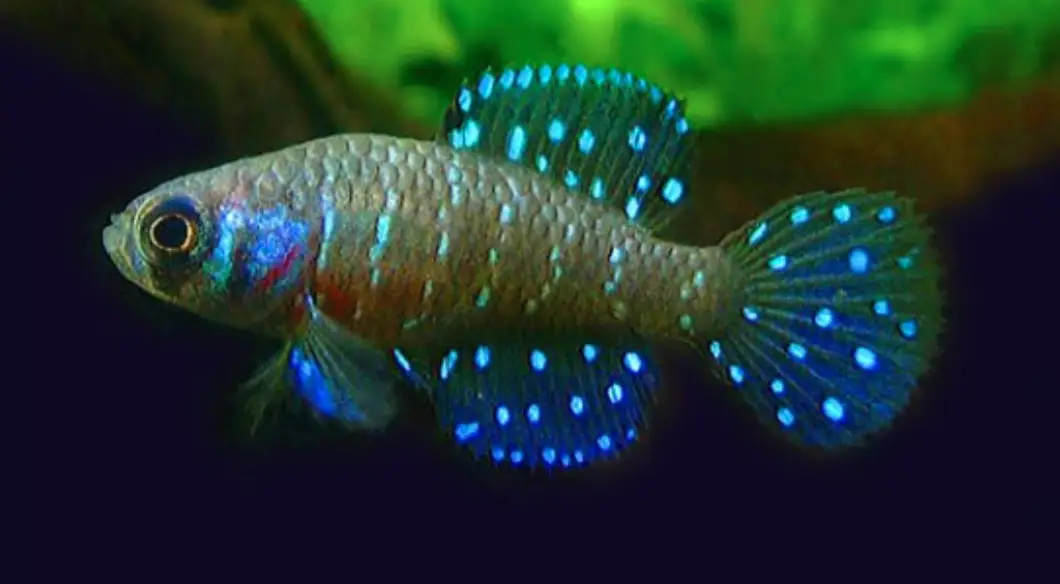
column 734, row 60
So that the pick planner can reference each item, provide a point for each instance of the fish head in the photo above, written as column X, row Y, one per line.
column 215, row 243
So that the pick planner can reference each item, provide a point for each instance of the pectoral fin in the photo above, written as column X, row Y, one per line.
column 340, row 375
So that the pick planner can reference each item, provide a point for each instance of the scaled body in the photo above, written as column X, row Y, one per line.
column 511, row 268
column 413, row 232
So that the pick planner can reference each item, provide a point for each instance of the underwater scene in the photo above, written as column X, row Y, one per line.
column 464, row 258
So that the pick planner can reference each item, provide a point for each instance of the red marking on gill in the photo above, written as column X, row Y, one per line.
column 281, row 269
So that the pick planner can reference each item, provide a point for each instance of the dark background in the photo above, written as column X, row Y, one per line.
column 130, row 454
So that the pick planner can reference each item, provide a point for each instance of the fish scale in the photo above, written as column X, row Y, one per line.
column 529, row 225
column 511, row 269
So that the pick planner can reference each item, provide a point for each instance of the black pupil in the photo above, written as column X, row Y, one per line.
column 171, row 232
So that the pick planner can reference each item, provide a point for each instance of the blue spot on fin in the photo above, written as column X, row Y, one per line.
column 546, row 402
column 604, row 133
column 338, row 374
column 841, row 316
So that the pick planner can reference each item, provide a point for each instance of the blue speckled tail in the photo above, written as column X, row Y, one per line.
column 840, row 318
column 554, row 403
column 603, row 133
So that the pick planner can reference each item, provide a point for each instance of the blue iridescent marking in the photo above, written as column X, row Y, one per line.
column 866, row 358
column 758, row 233
column 507, row 398
column 503, row 416
column 517, row 143
column 824, row 318
column 482, row 357
column 556, row 130
column 526, row 117
column 834, row 287
column 859, row 261
column 465, row 432
column 586, row 140
column 842, row 213
column 833, row 409
column 538, row 360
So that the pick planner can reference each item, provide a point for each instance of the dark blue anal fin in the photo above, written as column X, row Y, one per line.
column 550, row 402
column 841, row 317
column 604, row 133
column 337, row 373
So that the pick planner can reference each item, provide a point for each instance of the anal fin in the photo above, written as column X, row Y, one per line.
column 550, row 402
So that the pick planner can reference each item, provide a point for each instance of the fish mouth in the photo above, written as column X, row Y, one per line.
column 114, row 242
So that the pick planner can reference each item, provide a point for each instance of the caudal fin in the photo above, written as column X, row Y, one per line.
column 840, row 316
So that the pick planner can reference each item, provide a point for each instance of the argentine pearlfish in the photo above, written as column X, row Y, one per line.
column 511, row 268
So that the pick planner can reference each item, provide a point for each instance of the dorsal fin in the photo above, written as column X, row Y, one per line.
column 604, row 133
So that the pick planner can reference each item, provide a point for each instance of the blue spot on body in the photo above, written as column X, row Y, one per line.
column 482, row 357
column 736, row 374
column 556, row 130
column 908, row 329
column 673, row 191
column 586, row 141
column 538, row 360
column 785, row 416
column 503, row 416
column 633, row 362
column 596, row 191
column 637, row 139
column 472, row 132
column 833, row 409
column 824, row 318
column 549, row 455
column 865, row 358
column 465, row 432
column 758, row 233
column 859, row 261
column 485, row 85
column 517, row 143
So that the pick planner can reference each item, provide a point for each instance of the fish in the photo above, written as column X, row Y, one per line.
column 513, row 270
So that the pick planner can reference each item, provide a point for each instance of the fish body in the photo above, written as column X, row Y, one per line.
column 512, row 269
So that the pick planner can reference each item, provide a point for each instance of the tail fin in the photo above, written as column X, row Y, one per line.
column 840, row 316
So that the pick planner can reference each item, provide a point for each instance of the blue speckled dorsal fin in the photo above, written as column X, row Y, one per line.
column 561, row 401
column 604, row 133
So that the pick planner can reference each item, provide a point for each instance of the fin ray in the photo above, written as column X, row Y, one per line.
column 544, row 402
column 603, row 133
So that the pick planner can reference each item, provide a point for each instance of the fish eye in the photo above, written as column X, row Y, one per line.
column 173, row 233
